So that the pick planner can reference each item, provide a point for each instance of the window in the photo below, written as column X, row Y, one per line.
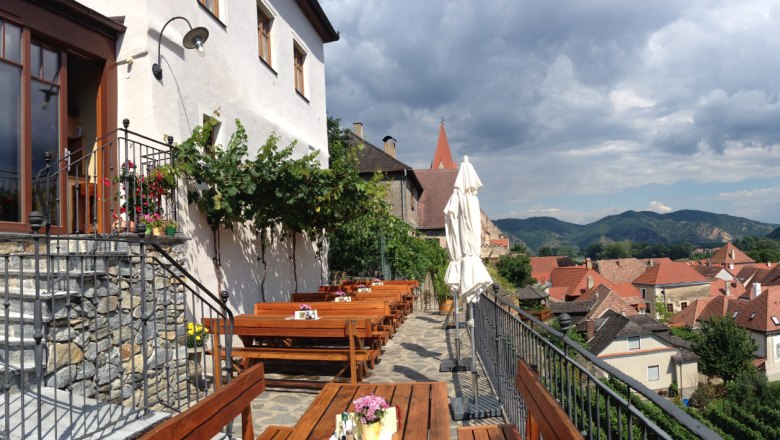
column 683, row 305
column 11, row 121
column 653, row 373
column 213, row 139
column 633, row 343
column 299, row 58
column 670, row 308
column 643, row 292
column 264, row 36
column 211, row 5
column 775, row 321
column 777, row 351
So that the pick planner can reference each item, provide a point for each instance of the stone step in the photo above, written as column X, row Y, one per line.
column 73, row 416
column 17, row 373
column 21, row 324
column 23, row 300
column 20, row 349
column 59, row 280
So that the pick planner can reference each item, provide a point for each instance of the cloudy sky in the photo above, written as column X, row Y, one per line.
column 573, row 109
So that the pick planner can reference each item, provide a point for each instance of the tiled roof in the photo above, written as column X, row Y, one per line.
column 710, row 272
column 542, row 266
column 504, row 242
column 770, row 277
column 626, row 269
column 756, row 314
column 442, row 158
column 618, row 326
column 583, row 307
column 688, row 316
column 575, row 280
column 437, row 188
column 531, row 293
column 670, row 273
column 751, row 272
column 372, row 158
column 724, row 256
column 607, row 300
column 718, row 287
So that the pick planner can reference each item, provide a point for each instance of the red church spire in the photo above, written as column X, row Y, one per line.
column 442, row 159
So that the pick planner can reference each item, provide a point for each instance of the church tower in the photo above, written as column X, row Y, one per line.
column 442, row 159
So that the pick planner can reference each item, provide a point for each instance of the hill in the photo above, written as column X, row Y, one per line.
column 695, row 227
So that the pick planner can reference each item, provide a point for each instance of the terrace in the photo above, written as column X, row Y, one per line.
column 94, row 339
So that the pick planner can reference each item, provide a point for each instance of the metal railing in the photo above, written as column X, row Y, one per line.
column 101, row 323
column 106, row 186
column 600, row 400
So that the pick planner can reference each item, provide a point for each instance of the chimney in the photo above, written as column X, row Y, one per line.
column 731, row 266
column 651, row 262
column 588, row 263
column 728, row 288
column 756, row 291
column 733, row 254
column 357, row 128
column 590, row 282
column 590, row 326
column 389, row 146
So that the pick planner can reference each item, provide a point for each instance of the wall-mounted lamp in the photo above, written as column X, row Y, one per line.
column 193, row 39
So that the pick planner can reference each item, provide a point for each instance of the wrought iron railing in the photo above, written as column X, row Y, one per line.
column 101, row 323
column 106, row 186
column 577, row 379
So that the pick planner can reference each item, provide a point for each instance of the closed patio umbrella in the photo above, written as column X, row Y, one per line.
column 466, row 275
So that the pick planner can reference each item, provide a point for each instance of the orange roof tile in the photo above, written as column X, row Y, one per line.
column 759, row 314
column 718, row 288
column 626, row 269
column 442, row 158
column 575, row 281
column 500, row 242
column 670, row 273
column 542, row 266
column 687, row 317
column 730, row 254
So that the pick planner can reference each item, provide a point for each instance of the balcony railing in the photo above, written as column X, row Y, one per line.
column 599, row 399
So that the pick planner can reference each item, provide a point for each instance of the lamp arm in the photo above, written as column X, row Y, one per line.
column 159, row 39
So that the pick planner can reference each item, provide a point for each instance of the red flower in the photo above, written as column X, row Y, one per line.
column 106, row 182
column 122, row 210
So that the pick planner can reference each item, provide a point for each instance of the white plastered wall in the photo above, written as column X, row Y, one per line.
column 233, row 79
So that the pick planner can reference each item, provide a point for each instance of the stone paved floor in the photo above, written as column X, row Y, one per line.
column 414, row 354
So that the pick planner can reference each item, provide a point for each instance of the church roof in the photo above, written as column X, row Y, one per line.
column 442, row 158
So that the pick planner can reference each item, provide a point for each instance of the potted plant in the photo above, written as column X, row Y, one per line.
column 154, row 223
column 445, row 301
column 197, row 335
column 169, row 226
column 369, row 411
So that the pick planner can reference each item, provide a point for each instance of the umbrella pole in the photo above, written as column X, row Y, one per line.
column 474, row 376
column 457, row 332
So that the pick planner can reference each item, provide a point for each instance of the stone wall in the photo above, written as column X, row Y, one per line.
column 108, row 300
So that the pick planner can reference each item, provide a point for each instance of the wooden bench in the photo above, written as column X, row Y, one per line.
column 488, row 432
column 276, row 432
column 206, row 418
column 404, row 305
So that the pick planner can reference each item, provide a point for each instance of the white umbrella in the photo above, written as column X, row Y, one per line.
column 466, row 275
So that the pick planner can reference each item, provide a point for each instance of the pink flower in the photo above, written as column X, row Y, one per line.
column 340, row 293
column 305, row 307
column 371, row 408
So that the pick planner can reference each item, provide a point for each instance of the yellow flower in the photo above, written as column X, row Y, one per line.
column 190, row 325
column 205, row 330
column 198, row 328
column 197, row 338
column 190, row 332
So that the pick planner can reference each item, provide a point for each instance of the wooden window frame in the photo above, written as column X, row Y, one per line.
column 264, row 26
column 670, row 307
column 213, row 11
column 92, row 39
column 299, row 60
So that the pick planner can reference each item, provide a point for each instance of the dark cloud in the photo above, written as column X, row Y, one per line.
column 636, row 84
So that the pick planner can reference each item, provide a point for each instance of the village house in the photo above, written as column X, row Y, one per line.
column 541, row 267
column 673, row 284
column 622, row 270
column 643, row 348
column 731, row 257
column 758, row 312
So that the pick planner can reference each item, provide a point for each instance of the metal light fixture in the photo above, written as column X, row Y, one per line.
column 193, row 39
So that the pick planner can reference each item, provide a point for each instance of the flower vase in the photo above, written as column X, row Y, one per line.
column 370, row 431
column 149, row 230
column 170, row 232
column 157, row 231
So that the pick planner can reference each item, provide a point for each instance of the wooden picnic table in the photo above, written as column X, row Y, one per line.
column 308, row 333
column 423, row 406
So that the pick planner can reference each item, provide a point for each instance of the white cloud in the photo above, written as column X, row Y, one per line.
column 657, row 206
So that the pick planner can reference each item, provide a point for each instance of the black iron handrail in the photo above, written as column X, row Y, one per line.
column 502, row 336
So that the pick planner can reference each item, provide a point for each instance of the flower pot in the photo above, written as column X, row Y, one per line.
column 369, row 431
column 170, row 232
column 149, row 230
column 157, row 231
column 445, row 306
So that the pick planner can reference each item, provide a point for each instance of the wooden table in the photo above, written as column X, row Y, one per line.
column 336, row 326
column 424, row 412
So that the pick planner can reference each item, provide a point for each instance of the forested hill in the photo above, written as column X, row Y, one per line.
column 695, row 227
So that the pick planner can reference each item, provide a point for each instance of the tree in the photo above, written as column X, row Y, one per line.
column 724, row 348
column 595, row 251
column 618, row 249
column 516, row 268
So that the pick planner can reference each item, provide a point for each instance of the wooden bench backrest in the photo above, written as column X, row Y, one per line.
column 312, row 296
column 368, row 296
column 545, row 416
column 359, row 307
column 207, row 417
